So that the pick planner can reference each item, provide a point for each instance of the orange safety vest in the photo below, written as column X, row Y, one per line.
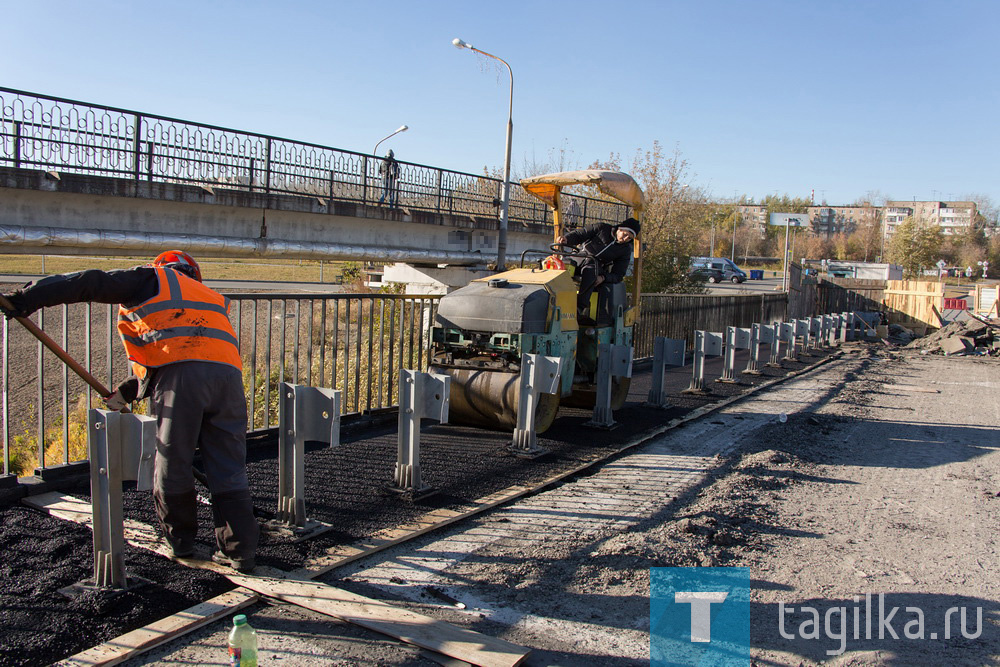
column 185, row 321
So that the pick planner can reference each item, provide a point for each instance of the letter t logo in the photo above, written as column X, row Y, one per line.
column 701, row 605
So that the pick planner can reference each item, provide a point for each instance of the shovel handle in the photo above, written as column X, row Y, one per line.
column 58, row 351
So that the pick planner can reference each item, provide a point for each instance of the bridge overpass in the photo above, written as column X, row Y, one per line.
column 80, row 178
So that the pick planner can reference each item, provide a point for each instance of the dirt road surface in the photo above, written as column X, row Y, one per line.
column 873, row 479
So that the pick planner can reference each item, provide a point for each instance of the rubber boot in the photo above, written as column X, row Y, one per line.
column 178, row 515
column 236, row 529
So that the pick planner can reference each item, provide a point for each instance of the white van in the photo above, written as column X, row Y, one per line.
column 730, row 271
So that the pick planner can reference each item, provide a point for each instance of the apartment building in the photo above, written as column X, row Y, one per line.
column 830, row 220
column 952, row 216
column 753, row 215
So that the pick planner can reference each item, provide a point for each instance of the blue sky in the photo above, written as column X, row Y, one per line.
column 759, row 96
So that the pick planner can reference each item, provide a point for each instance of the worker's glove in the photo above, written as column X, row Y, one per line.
column 115, row 401
column 17, row 301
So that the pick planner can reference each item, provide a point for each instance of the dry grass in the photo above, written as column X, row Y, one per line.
column 293, row 270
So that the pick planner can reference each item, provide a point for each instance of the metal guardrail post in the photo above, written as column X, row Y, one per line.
column 771, row 334
column 829, row 331
column 421, row 395
column 816, row 332
column 17, row 144
column 788, row 335
column 137, row 148
column 667, row 353
column 305, row 414
column 267, row 166
column 802, row 328
column 122, row 447
column 612, row 361
column 706, row 343
column 539, row 375
column 737, row 338
column 753, row 365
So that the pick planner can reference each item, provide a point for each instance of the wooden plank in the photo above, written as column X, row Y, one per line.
column 914, row 387
column 129, row 644
column 341, row 555
column 61, row 506
column 411, row 627
column 937, row 314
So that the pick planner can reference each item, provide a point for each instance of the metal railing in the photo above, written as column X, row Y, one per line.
column 678, row 316
column 67, row 136
column 357, row 343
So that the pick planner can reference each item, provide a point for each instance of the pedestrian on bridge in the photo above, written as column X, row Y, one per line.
column 389, row 171
column 185, row 357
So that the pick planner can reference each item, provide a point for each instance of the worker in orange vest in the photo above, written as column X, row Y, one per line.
column 185, row 357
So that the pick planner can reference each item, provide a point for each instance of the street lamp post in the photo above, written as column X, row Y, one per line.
column 505, row 201
column 402, row 128
column 736, row 219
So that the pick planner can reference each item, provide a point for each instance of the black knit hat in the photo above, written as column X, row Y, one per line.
column 632, row 225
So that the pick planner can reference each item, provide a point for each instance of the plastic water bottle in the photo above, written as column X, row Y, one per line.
column 242, row 643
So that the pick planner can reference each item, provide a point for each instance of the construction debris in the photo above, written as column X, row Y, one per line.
column 970, row 336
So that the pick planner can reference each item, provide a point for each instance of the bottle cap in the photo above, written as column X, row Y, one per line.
column 239, row 619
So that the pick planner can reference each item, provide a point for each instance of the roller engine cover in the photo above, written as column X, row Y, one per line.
column 496, row 306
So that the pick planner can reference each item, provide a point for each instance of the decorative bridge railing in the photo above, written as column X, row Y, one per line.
column 67, row 136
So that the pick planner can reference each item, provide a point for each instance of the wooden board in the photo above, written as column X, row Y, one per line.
column 407, row 626
column 403, row 624
column 127, row 645
column 910, row 301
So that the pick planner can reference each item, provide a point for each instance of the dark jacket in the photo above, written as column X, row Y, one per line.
column 129, row 287
column 599, row 242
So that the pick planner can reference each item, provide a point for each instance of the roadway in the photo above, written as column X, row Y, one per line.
column 769, row 285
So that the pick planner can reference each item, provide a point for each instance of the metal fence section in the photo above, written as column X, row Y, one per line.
column 55, row 134
column 357, row 343
column 678, row 316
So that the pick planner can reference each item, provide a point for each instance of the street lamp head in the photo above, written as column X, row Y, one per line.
column 402, row 128
column 459, row 44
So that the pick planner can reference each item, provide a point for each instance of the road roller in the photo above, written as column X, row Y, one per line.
column 481, row 330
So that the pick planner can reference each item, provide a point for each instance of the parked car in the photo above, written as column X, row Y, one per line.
column 729, row 270
column 706, row 275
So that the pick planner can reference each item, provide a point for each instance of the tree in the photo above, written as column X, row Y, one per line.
column 673, row 218
column 915, row 245
column 867, row 237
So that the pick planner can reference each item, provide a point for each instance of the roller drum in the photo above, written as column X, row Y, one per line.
column 489, row 398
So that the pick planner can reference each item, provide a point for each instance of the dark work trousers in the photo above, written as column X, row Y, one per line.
column 200, row 405
column 587, row 273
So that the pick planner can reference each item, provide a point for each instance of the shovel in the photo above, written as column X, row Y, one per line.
column 58, row 351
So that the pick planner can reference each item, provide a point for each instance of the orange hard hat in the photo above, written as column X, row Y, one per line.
column 180, row 260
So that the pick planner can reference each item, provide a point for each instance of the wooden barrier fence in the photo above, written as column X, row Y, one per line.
column 680, row 315
column 913, row 302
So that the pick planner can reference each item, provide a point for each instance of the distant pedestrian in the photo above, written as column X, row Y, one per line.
column 572, row 215
column 389, row 171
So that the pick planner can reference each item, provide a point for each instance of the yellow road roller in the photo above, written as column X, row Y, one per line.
column 482, row 329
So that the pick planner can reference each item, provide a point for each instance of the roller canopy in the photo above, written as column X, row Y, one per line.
column 612, row 183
